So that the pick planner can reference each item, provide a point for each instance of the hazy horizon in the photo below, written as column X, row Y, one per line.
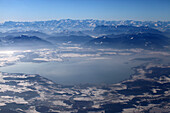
column 84, row 19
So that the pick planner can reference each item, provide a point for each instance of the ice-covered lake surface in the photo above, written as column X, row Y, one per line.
column 70, row 66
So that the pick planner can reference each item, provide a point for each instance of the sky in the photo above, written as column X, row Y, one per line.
column 37, row 10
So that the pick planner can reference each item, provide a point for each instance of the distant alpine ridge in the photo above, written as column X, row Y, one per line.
column 56, row 26
column 87, row 33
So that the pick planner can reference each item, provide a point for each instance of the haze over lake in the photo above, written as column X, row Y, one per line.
column 78, row 70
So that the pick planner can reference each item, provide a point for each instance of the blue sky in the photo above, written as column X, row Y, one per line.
column 33, row 10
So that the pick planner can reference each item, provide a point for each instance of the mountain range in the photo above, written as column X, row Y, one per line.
column 139, row 40
column 121, row 29
column 89, row 33
column 23, row 41
column 55, row 26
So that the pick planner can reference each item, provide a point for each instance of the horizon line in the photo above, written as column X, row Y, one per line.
column 84, row 19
